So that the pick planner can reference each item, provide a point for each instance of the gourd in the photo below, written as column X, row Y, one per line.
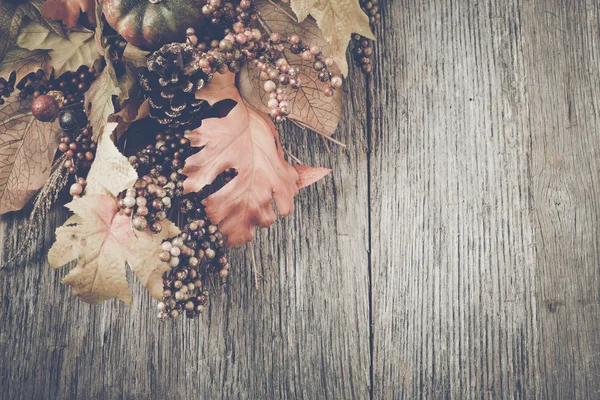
column 149, row 24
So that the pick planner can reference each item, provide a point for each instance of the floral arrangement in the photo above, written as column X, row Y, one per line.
column 204, row 85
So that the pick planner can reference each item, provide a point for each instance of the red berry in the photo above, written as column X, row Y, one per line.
column 45, row 108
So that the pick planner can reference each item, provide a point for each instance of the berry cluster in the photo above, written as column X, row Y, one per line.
column 194, row 256
column 362, row 53
column 245, row 44
column 277, row 74
column 177, row 70
column 73, row 85
column 161, row 182
column 371, row 8
column 222, row 15
column 363, row 47
column 7, row 87
column 77, row 143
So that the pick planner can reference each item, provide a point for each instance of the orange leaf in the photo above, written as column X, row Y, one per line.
column 247, row 141
column 309, row 175
column 68, row 11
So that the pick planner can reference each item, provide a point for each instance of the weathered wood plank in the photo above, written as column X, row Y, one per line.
column 301, row 333
column 453, row 261
column 484, row 160
column 563, row 84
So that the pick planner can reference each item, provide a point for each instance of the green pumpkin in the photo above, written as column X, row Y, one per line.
column 149, row 24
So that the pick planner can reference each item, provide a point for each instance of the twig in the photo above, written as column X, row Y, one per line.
column 326, row 145
column 257, row 274
column 293, row 157
column 301, row 125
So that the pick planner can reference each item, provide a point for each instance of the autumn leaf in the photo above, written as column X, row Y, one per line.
column 247, row 141
column 68, row 11
column 111, row 172
column 27, row 147
column 103, row 241
column 309, row 175
column 24, row 61
column 135, row 56
column 99, row 98
column 67, row 54
column 338, row 19
column 308, row 105
column 11, row 17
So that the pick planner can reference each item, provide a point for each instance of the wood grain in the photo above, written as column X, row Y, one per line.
column 484, row 201
column 302, row 332
column 454, row 253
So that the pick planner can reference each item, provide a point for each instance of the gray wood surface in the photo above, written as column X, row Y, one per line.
column 454, row 253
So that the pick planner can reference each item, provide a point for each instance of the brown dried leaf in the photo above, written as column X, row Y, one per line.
column 99, row 98
column 27, row 147
column 24, row 61
column 11, row 17
column 67, row 54
column 103, row 241
column 308, row 105
column 135, row 56
column 338, row 19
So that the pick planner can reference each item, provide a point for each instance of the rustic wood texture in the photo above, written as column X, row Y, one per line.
column 484, row 200
column 453, row 253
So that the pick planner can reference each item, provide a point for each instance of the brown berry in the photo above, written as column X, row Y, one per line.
column 45, row 108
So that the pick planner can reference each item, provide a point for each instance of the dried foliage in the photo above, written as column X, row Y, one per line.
column 103, row 241
column 24, row 61
column 66, row 54
column 308, row 105
column 27, row 147
column 247, row 141
column 110, row 172
column 99, row 98
column 12, row 14
column 338, row 20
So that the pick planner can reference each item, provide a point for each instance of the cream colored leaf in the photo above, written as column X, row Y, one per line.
column 27, row 147
column 67, row 54
column 110, row 173
column 338, row 20
column 135, row 56
column 103, row 241
column 308, row 105
column 99, row 98
column 24, row 61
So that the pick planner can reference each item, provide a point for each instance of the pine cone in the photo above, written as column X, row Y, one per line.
column 170, row 83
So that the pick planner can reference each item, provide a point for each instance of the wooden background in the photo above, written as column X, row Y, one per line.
column 454, row 253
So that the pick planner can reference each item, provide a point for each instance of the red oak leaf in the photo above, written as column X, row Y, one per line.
column 247, row 141
column 68, row 11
